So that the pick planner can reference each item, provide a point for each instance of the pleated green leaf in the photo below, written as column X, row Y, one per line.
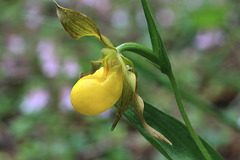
column 183, row 146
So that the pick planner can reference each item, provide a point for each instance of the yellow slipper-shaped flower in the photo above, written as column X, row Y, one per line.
column 94, row 94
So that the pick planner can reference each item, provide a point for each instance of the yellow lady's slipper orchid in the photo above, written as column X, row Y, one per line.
column 94, row 94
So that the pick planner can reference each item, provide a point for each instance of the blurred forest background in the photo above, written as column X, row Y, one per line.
column 40, row 62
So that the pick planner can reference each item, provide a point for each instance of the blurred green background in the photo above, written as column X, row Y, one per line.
column 40, row 62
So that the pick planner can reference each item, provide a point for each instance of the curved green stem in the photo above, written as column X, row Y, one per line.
column 147, row 53
column 185, row 117
column 139, row 49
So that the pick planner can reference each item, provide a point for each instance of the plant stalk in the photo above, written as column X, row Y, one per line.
column 147, row 53
column 185, row 117
column 139, row 49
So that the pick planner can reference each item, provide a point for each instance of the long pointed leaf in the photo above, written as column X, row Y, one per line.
column 183, row 146
column 157, row 44
column 189, row 96
column 151, row 27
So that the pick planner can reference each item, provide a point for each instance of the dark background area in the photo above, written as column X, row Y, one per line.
column 40, row 62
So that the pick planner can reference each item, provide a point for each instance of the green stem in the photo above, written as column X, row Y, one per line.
column 139, row 49
column 147, row 53
column 185, row 117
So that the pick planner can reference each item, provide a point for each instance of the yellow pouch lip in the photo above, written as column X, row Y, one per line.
column 94, row 94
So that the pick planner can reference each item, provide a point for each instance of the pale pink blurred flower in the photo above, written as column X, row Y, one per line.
column 209, row 39
column 70, row 68
column 103, row 7
column 49, row 60
column 15, row 44
column 14, row 68
column 90, row 3
column 33, row 18
column 65, row 102
column 34, row 101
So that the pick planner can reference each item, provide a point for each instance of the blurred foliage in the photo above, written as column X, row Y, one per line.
column 39, row 63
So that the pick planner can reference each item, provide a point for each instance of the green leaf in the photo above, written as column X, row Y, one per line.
column 183, row 146
column 191, row 97
column 157, row 44
column 151, row 27
column 166, row 68
column 78, row 25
